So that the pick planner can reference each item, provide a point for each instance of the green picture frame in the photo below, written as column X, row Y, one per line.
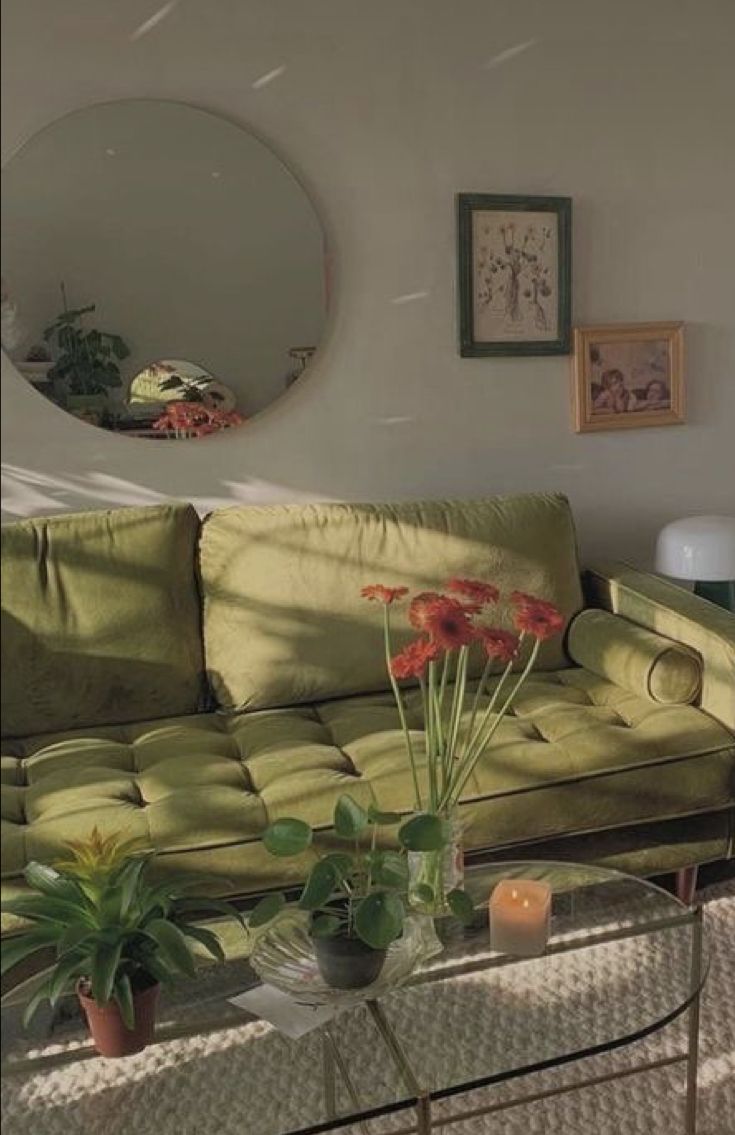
column 514, row 274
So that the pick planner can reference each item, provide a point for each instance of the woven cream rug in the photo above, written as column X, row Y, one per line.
column 210, row 1085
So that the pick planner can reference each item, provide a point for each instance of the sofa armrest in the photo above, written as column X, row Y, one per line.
column 652, row 602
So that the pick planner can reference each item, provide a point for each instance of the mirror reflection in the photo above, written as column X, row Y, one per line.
column 164, row 274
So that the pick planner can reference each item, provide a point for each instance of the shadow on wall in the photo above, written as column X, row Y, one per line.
column 28, row 492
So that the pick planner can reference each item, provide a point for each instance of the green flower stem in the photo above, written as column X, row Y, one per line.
column 455, row 717
column 444, row 680
column 473, row 737
column 431, row 738
column 461, row 780
column 401, row 710
column 476, row 701
column 435, row 700
column 440, row 751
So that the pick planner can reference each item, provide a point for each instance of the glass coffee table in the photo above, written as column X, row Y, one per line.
column 624, row 960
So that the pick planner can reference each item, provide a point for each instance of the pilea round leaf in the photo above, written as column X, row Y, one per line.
column 325, row 926
column 266, row 910
column 383, row 818
column 350, row 819
column 425, row 832
column 287, row 837
column 379, row 919
column 461, row 905
column 319, row 886
column 389, row 869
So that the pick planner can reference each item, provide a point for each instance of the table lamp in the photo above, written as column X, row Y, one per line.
column 701, row 548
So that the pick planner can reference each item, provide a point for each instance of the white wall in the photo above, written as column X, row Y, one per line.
column 189, row 234
column 386, row 110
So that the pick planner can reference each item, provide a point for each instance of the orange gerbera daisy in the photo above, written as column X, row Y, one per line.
column 475, row 590
column 414, row 658
column 538, row 618
column 446, row 620
column 498, row 643
column 381, row 594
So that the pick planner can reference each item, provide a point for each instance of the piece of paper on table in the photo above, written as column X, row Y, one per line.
column 283, row 1011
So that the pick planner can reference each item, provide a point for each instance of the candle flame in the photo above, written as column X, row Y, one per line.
column 526, row 903
column 514, row 894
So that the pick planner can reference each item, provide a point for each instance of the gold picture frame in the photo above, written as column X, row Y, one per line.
column 628, row 375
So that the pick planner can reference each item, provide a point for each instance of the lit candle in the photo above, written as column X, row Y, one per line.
column 520, row 917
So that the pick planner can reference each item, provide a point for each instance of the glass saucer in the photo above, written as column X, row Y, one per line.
column 283, row 956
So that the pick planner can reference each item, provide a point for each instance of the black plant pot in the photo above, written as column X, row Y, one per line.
column 348, row 963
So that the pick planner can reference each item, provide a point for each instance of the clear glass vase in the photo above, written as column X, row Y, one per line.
column 433, row 874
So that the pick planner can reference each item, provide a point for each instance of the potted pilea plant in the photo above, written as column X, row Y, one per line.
column 116, row 936
column 356, row 895
column 86, row 367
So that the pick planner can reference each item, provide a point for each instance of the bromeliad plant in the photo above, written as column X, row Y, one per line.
column 113, row 932
column 449, row 625
column 359, row 892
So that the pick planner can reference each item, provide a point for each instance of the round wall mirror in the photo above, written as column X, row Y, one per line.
column 164, row 274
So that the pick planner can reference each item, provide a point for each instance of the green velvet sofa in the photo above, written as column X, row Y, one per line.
column 190, row 680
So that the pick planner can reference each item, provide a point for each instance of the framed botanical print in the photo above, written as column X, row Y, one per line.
column 515, row 269
column 628, row 375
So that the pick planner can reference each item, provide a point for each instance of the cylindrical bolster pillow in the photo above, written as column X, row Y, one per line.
column 636, row 659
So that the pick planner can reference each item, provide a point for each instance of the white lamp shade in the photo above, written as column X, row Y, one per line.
column 699, row 548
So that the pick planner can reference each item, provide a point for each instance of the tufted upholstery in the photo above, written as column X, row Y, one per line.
column 578, row 755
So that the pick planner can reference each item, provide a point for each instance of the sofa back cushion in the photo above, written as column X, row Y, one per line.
column 100, row 619
column 284, row 621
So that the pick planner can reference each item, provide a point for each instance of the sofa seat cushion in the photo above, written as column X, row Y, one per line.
column 578, row 755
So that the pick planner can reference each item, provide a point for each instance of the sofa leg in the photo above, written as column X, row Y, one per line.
column 686, row 884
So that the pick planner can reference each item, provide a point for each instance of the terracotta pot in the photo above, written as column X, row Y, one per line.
column 108, row 1030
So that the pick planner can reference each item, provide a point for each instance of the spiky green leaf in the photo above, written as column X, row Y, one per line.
column 50, row 882
column 105, row 960
column 41, row 995
column 16, row 949
column 64, row 975
column 206, row 938
column 123, row 994
column 172, row 945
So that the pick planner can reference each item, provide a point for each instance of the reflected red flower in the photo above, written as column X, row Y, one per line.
column 414, row 658
column 475, row 590
column 498, row 643
column 380, row 594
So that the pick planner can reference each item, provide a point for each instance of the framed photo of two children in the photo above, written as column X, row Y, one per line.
column 628, row 375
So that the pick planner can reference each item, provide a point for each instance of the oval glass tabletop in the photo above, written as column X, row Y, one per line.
column 624, row 958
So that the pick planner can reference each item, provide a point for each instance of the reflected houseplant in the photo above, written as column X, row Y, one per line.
column 115, row 935
column 356, row 897
column 86, row 367
column 449, row 625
